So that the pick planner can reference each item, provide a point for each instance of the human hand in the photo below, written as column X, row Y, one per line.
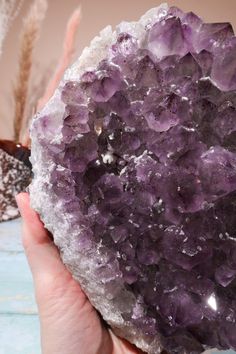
column 69, row 323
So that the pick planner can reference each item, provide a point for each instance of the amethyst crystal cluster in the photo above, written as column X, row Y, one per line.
column 135, row 175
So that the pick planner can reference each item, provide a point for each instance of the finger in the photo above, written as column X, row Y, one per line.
column 36, row 233
column 42, row 254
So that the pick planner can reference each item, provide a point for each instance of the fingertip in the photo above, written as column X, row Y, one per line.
column 42, row 254
column 22, row 200
column 34, row 231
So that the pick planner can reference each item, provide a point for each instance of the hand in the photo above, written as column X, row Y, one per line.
column 69, row 323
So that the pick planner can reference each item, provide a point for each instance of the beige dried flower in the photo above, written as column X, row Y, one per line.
column 8, row 11
column 29, row 36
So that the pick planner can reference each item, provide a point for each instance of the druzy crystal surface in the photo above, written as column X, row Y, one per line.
column 135, row 175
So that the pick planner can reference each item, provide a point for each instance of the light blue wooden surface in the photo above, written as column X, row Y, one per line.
column 19, row 325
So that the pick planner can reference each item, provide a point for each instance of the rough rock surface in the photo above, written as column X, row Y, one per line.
column 14, row 178
column 134, row 162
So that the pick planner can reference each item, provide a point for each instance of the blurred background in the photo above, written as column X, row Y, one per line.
column 95, row 16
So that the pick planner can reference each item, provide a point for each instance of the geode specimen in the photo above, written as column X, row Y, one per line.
column 134, row 162
column 15, row 175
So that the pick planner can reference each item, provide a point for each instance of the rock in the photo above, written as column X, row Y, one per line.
column 134, row 162
column 15, row 176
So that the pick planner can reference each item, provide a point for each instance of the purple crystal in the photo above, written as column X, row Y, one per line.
column 135, row 175
column 166, row 37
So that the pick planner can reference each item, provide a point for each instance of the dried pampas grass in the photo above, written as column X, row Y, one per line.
column 8, row 11
column 66, row 58
column 29, row 36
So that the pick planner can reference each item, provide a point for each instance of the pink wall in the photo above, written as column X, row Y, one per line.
column 96, row 15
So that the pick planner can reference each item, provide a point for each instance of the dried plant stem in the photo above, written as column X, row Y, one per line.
column 9, row 9
column 65, row 60
column 30, row 33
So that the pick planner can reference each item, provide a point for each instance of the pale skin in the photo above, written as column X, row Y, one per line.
column 68, row 322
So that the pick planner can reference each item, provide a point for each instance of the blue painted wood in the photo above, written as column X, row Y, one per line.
column 19, row 325
column 19, row 334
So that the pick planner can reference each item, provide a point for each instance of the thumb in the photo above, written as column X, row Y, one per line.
column 43, row 256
